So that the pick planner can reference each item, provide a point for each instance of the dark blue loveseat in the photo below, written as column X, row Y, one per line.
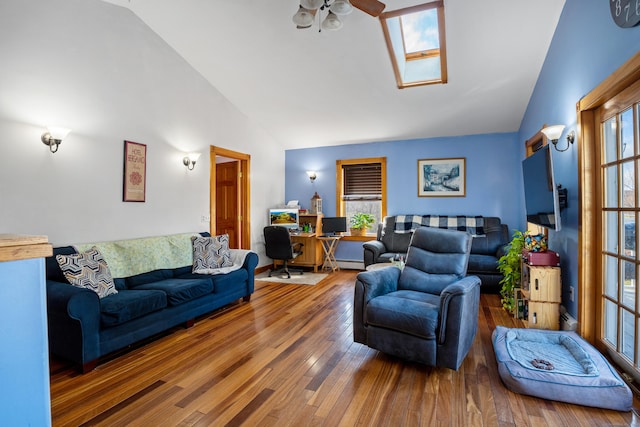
column 84, row 327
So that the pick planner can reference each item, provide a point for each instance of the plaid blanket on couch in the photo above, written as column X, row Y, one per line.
column 472, row 224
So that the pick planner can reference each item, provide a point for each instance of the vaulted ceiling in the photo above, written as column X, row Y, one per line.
column 311, row 88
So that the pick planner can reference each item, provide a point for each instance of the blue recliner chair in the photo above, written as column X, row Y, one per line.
column 426, row 313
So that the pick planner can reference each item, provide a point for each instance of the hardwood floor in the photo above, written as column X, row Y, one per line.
column 288, row 358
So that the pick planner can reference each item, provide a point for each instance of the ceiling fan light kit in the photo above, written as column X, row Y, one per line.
column 312, row 4
column 303, row 17
column 308, row 10
column 331, row 22
column 341, row 7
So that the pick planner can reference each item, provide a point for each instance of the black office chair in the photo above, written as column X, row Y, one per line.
column 279, row 247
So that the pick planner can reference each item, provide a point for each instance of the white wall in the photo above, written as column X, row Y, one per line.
column 99, row 70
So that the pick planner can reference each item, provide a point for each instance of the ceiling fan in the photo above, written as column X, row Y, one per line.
column 309, row 8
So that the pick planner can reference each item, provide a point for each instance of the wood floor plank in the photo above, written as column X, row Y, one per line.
column 331, row 391
column 444, row 395
column 397, row 414
column 252, row 406
column 380, row 384
column 190, row 420
column 287, row 358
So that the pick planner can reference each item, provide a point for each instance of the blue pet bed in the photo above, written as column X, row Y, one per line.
column 558, row 365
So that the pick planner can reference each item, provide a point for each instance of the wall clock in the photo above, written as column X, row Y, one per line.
column 625, row 13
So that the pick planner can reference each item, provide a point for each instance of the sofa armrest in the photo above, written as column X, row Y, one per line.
column 241, row 256
column 250, row 262
column 459, row 304
column 372, row 251
column 74, row 322
column 370, row 284
column 502, row 250
column 378, row 282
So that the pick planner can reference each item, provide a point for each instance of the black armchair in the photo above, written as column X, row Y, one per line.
column 278, row 246
column 426, row 313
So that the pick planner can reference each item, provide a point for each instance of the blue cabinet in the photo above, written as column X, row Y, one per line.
column 24, row 355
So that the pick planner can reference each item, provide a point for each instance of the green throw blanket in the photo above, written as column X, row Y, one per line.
column 130, row 257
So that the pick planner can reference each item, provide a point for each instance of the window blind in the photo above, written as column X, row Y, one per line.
column 362, row 182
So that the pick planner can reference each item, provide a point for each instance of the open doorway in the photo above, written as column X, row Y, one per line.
column 230, row 195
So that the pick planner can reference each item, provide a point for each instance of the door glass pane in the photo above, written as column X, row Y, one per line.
column 629, row 289
column 628, row 195
column 609, row 142
column 637, row 127
column 611, row 187
column 626, row 133
column 610, row 322
column 628, row 334
column 629, row 234
column 611, row 277
column 610, row 231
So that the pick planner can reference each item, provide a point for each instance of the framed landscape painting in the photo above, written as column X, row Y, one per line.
column 442, row 177
column 135, row 172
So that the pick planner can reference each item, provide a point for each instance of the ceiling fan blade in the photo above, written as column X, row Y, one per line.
column 372, row 7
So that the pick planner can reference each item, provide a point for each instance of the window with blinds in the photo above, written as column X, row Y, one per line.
column 361, row 188
column 362, row 182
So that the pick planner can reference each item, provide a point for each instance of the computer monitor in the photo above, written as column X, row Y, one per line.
column 284, row 217
column 333, row 225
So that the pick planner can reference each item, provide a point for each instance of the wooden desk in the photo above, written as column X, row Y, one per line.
column 311, row 252
column 329, row 244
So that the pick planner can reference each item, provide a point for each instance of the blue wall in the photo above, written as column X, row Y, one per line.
column 586, row 48
column 493, row 184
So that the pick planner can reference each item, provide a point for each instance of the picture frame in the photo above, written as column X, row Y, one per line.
column 442, row 177
column 134, row 178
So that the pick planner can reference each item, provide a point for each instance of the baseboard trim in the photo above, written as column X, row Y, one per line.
column 351, row 265
column 345, row 265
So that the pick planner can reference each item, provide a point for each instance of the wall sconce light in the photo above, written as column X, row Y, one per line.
column 312, row 175
column 553, row 133
column 54, row 136
column 190, row 160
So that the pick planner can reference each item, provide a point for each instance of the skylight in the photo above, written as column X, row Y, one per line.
column 416, row 43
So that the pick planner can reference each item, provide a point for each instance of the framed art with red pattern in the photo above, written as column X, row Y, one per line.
column 135, row 172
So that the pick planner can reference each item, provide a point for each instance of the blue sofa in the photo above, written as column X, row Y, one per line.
column 161, row 295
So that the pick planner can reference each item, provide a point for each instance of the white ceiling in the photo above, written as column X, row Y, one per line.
column 315, row 89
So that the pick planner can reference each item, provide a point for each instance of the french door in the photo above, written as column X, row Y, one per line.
column 618, row 157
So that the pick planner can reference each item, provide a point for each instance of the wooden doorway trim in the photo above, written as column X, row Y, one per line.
column 245, row 193
column 589, row 268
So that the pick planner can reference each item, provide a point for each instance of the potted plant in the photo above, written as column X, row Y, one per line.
column 510, row 266
column 360, row 222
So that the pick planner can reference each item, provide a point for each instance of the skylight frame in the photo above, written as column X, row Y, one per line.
column 440, row 53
